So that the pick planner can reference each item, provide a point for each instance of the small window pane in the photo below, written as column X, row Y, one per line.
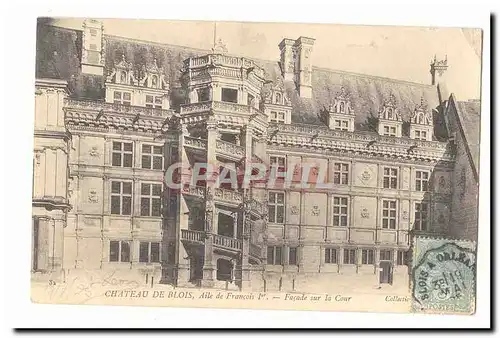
column 114, row 248
column 144, row 252
column 125, row 254
column 155, row 252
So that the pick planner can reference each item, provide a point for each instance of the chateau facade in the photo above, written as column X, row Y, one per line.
column 113, row 116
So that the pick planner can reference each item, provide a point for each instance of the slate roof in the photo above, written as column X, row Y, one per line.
column 59, row 54
column 470, row 118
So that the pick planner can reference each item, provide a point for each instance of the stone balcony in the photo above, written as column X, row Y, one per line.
column 221, row 60
column 101, row 106
column 225, row 107
column 225, row 243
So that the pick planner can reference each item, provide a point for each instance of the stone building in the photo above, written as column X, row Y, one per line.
column 114, row 114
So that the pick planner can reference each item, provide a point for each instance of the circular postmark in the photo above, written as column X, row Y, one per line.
column 444, row 279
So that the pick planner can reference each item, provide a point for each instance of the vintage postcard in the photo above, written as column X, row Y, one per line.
column 256, row 165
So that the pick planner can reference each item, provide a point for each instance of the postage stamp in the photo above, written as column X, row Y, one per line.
column 443, row 276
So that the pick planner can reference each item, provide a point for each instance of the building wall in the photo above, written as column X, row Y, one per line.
column 309, row 222
column 91, row 225
column 464, row 206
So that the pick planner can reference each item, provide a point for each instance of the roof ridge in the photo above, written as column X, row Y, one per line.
column 194, row 49
column 271, row 61
column 374, row 77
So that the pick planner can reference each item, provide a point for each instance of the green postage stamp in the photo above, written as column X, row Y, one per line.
column 443, row 276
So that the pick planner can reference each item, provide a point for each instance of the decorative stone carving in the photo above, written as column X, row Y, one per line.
column 441, row 218
column 342, row 103
column 294, row 210
column 365, row 213
column 366, row 175
column 389, row 109
column 93, row 198
column 94, row 152
column 421, row 114
column 315, row 211
column 404, row 215
column 442, row 182
column 219, row 47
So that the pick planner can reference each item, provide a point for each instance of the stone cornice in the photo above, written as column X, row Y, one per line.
column 101, row 115
column 54, row 84
column 372, row 145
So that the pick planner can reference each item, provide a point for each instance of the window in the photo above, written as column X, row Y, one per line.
column 389, row 131
column 250, row 100
column 122, row 154
column 341, row 125
column 330, row 256
column 149, row 252
column 121, row 198
column 279, row 162
column 340, row 173
column 391, row 178
column 229, row 95
column 402, row 258
column 154, row 102
column 386, row 255
column 340, row 211
column 150, row 199
column 421, row 211
column 203, row 94
column 420, row 135
column 292, row 256
column 388, row 214
column 119, row 251
column 276, row 207
column 422, row 180
column 349, row 256
column 152, row 157
column 274, row 255
column 367, row 256
column 93, row 32
column 122, row 97
column 277, row 117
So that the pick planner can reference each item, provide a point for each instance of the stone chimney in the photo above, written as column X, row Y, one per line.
column 93, row 47
column 296, row 63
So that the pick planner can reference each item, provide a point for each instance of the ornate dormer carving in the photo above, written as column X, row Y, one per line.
column 153, row 76
column 219, row 47
column 277, row 104
column 340, row 112
column 389, row 110
column 421, row 115
column 342, row 103
column 421, row 122
column 390, row 121
column 123, row 73
column 277, row 94
column 438, row 69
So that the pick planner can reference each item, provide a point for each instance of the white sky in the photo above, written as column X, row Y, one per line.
column 402, row 53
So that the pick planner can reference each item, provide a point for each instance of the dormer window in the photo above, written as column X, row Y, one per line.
column 154, row 81
column 277, row 117
column 341, row 125
column 124, row 98
column 389, row 131
column 153, row 101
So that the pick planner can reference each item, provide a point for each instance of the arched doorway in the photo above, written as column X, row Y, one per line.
column 224, row 270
